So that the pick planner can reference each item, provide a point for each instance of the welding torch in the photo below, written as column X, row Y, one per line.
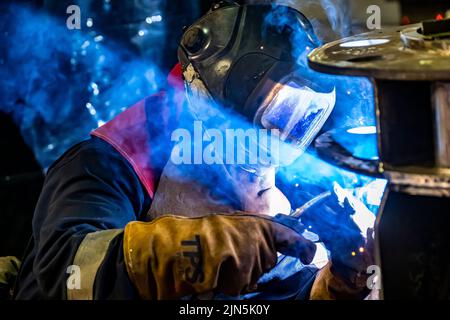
column 332, row 223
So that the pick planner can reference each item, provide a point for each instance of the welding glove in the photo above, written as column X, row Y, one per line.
column 173, row 257
column 351, row 249
column 9, row 268
column 345, row 279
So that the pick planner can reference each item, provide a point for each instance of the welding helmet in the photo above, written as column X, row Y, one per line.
column 251, row 58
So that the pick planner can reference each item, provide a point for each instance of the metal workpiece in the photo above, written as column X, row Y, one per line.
column 328, row 147
column 410, row 70
column 401, row 53
column 441, row 109
column 414, row 39
column 433, row 182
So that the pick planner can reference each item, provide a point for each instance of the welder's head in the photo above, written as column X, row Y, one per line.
column 248, row 58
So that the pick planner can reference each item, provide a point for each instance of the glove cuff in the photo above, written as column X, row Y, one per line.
column 331, row 285
column 136, row 245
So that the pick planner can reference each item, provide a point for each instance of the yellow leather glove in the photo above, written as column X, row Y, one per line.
column 173, row 257
column 9, row 268
column 349, row 281
column 329, row 285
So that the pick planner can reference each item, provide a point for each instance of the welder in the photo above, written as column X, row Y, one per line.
column 118, row 220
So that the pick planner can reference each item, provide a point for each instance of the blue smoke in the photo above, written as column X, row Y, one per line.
column 59, row 84
column 338, row 15
column 354, row 108
column 355, row 96
column 310, row 176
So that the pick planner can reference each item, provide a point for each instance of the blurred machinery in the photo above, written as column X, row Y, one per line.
column 414, row 11
column 410, row 69
column 395, row 12
column 21, row 179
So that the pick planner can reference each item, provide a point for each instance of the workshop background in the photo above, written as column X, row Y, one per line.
column 56, row 84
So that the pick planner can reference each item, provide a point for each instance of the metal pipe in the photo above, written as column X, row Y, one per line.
column 441, row 108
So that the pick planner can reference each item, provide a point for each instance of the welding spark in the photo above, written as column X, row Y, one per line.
column 153, row 19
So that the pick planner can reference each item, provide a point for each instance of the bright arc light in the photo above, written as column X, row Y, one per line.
column 363, row 130
column 364, row 43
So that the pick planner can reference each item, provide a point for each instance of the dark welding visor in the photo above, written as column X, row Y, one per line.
column 292, row 104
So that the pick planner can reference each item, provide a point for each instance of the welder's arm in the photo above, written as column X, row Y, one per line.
column 88, row 198
column 173, row 257
column 86, row 221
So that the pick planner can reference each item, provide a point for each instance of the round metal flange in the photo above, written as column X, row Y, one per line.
column 331, row 151
column 424, row 181
column 431, row 182
column 412, row 38
column 400, row 53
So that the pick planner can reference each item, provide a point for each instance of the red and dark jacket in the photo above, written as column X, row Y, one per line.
column 89, row 196
column 99, row 185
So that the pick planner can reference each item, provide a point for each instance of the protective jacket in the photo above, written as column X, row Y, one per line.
column 93, row 191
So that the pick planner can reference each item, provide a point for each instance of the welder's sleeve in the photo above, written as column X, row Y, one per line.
column 87, row 199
